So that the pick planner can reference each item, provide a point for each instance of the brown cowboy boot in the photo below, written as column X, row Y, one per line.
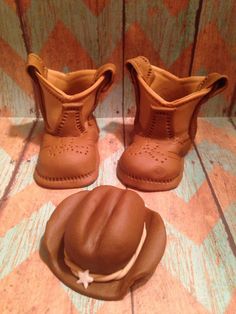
column 165, row 124
column 68, row 156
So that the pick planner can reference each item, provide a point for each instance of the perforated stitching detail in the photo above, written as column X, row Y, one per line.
column 169, row 126
column 72, row 178
column 201, row 84
column 155, row 117
column 65, row 116
column 152, row 150
column 60, row 149
column 137, row 178
column 147, row 72
column 63, row 121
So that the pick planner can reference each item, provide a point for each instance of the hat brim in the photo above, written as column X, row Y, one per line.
column 145, row 265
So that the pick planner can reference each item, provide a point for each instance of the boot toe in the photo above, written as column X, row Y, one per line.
column 69, row 164
column 144, row 168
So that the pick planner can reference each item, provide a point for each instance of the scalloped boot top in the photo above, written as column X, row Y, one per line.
column 68, row 156
column 165, row 124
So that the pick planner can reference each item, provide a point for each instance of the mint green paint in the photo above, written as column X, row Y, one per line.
column 110, row 126
column 83, row 304
column 220, row 266
column 13, row 98
column 193, row 177
column 24, row 175
column 10, row 30
column 222, row 124
column 216, row 106
column 111, row 105
column 22, row 124
column 222, row 15
column 230, row 216
column 41, row 19
column 99, row 36
column 108, row 169
column 6, row 168
column 214, row 154
column 207, row 271
column 167, row 33
column 23, row 240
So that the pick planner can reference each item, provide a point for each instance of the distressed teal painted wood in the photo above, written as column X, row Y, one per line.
column 207, row 271
column 84, row 34
column 15, row 93
column 199, row 254
column 215, row 50
column 218, row 154
column 23, row 240
column 76, row 35
column 23, row 230
column 163, row 32
column 13, row 134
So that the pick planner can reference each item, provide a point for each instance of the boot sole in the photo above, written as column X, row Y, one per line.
column 148, row 185
column 65, row 183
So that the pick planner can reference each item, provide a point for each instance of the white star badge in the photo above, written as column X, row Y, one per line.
column 84, row 278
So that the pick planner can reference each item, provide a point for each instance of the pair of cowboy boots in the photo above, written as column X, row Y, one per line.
column 164, row 127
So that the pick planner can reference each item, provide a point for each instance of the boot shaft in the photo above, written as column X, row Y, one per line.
column 67, row 101
column 167, row 106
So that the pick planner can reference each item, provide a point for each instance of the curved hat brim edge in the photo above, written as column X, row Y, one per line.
column 145, row 265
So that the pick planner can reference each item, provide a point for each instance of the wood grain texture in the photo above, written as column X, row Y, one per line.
column 215, row 51
column 216, row 143
column 23, row 221
column 196, row 271
column 14, row 132
column 164, row 32
column 76, row 35
column 15, row 94
column 183, row 37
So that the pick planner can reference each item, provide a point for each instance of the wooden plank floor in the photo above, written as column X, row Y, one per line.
column 198, row 271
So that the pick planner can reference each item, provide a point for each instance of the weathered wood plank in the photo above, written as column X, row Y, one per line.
column 195, row 275
column 14, row 132
column 15, row 95
column 216, row 143
column 215, row 50
column 26, row 213
column 164, row 32
column 76, row 35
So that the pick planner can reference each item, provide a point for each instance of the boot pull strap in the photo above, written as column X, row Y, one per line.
column 108, row 71
column 35, row 64
column 216, row 82
column 142, row 67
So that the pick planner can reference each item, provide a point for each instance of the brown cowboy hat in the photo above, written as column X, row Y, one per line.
column 100, row 230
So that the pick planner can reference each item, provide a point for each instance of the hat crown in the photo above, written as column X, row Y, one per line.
column 104, row 232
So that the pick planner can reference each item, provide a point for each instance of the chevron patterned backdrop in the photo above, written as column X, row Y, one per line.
column 185, row 37
column 198, row 271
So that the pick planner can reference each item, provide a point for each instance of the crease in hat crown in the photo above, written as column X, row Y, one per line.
column 112, row 239
column 99, row 237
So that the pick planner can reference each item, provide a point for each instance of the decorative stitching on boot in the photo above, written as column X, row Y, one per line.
column 70, row 147
column 152, row 150
column 70, row 178
column 201, row 84
column 136, row 178
column 62, row 123
column 76, row 111
column 161, row 122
